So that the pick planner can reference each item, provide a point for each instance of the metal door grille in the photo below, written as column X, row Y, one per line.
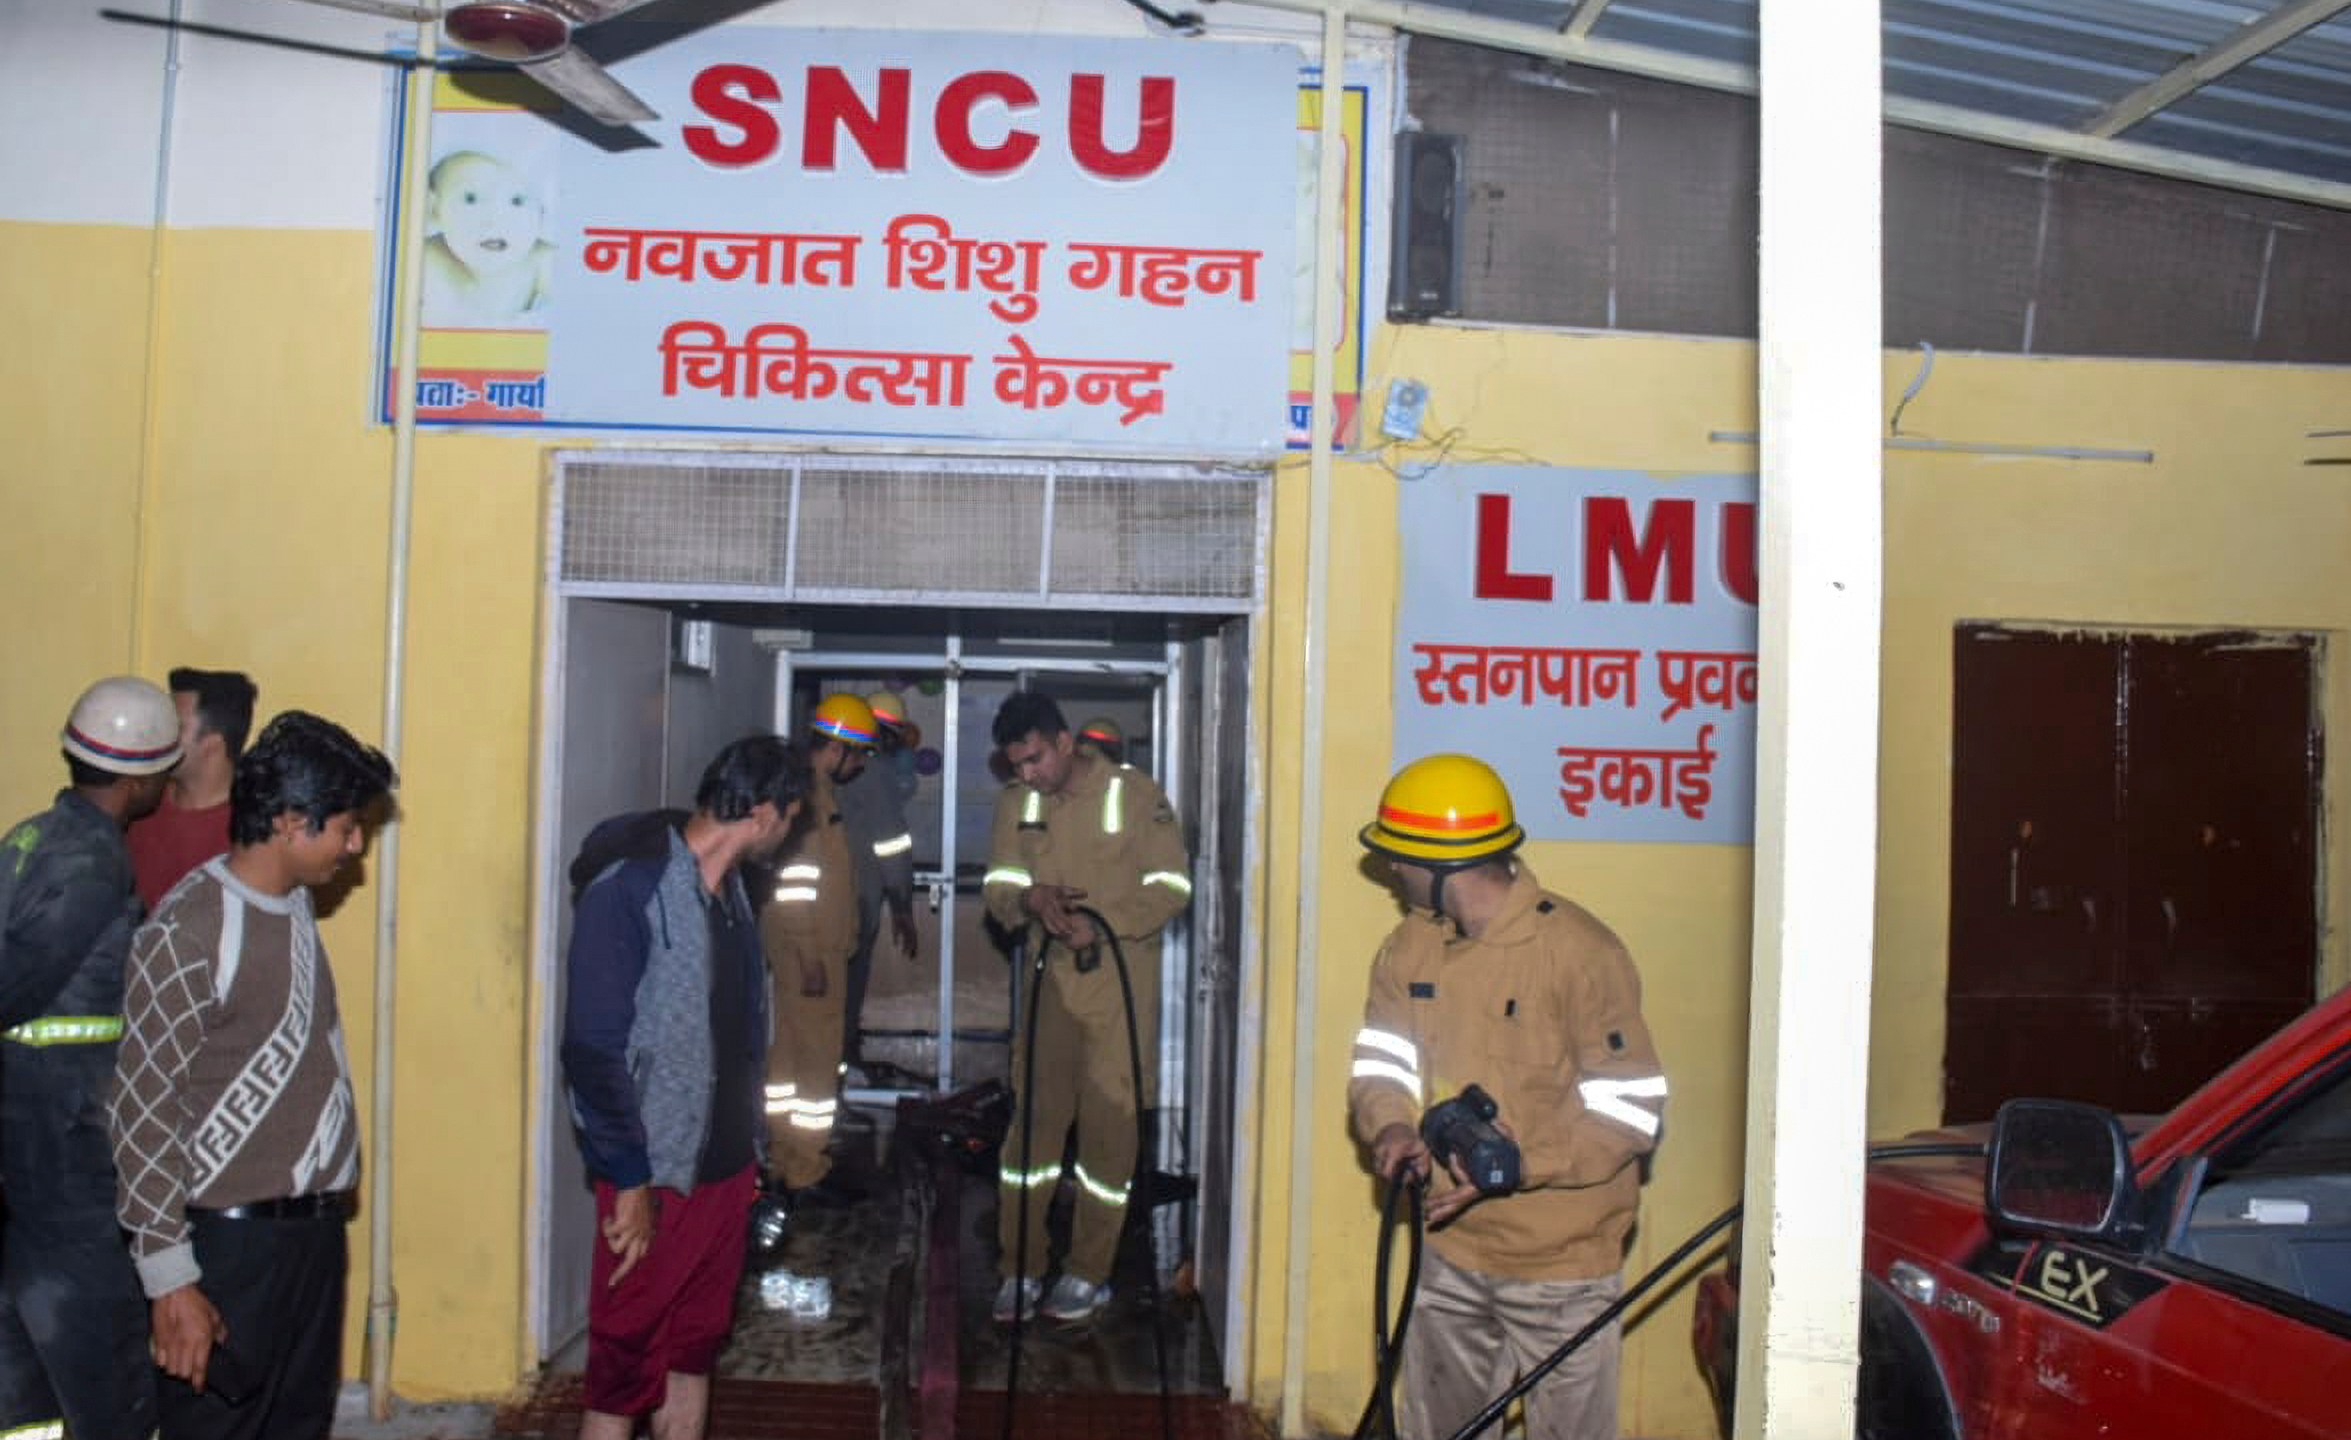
column 840, row 530
column 700, row 523
column 916, row 531
column 1168, row 537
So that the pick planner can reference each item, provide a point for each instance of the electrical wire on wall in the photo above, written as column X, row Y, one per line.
column 1423, row 454
column 1182, row 22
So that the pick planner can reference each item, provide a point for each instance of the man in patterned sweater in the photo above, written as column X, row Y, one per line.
column 233, row 1122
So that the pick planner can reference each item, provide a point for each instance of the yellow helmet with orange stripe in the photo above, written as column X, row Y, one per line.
column 888, row 707
column 1445, row 811
column 844, row 718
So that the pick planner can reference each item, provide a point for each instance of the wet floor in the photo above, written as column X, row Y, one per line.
column 819, row 1375
column 1147, row 1366
column 855, row 1248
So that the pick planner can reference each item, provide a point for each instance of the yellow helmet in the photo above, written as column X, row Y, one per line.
column 1102, row 730
column 888, row 708
column 844, row 718
column 1446, row 811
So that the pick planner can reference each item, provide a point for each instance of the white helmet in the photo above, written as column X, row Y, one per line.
column 124, row 725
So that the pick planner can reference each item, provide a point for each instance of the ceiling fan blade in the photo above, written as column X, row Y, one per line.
column 588, row 85
column 588, row 12
column 392, row 9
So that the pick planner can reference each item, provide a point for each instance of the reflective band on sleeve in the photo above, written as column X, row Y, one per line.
column 1613, row 1099
column 1382, row 1070
column 1396, row 1045
column 895, row 845
column 37, row 1430
column 804, row 1114
column 1181, row 884
column 1008, row 875
column 64, row 1030
column 1014, row 1176
column 795, row 894
column 1113, row 1195
column 802, row 871
column 1113, row 814
column 812, row 1114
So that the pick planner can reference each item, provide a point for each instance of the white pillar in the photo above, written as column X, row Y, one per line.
column 1819, row 387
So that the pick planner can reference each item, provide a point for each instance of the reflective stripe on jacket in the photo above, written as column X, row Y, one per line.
column 1110, row 832
column 1543, row 1010
column 812, row 913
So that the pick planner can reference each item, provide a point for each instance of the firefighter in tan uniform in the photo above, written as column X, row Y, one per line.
column 1492, row 980
column 1076, row 832
column 809, row 931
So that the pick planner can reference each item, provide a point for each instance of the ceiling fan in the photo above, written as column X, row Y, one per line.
column 535, row 37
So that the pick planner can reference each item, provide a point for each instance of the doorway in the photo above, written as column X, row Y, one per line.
column 690, row 596
column 2135, row 891
column 650, row 688
column 955, row 986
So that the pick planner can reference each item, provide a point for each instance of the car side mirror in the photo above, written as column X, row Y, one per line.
column 2062, row 1169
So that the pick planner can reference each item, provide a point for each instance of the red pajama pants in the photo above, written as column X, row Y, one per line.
column 672, row 1312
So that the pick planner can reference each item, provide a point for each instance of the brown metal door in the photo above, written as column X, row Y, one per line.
column 2031, row 1005
column 2133, row 862
column 2221, row 929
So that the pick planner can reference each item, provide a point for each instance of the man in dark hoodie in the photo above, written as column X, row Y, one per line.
column 664, row 1052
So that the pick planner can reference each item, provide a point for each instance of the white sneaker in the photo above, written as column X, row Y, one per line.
column 1016, row 1294
column 1074, row 1300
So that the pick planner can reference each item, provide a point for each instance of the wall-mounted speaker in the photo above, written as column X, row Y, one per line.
column 1424, row 268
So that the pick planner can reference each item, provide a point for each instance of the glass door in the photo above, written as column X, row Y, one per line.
column 960, row 983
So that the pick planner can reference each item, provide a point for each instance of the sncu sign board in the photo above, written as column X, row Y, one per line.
column 879, row 234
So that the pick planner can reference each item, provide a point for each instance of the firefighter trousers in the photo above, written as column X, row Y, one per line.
column 804, row 1075
column 1473, row 1334
column 1084, row 1074
column 73, row 1329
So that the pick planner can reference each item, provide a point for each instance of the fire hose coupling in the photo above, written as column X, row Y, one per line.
column 1463, row 1129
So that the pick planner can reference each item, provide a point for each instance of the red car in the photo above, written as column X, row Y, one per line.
column 2193, row 1280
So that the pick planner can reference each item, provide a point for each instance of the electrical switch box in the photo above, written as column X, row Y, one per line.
column 1407, row 401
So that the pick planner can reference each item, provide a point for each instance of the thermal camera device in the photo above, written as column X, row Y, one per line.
column 1462, row 1129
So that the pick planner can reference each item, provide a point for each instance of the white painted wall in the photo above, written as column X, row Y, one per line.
column 292, row 135
column 262, row 134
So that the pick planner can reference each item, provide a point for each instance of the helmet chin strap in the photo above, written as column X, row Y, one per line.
column 1435, row 909
column 1439, row 874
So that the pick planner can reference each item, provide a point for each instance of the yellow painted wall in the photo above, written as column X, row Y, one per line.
column 265, row 525
column 264, row 530
column 69, row 475
column 2227, row 528
column 1517, row 398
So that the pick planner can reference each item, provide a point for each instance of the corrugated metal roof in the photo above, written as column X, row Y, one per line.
column 2064, row 64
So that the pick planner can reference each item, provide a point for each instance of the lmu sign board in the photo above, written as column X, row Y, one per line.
column 1591, row 635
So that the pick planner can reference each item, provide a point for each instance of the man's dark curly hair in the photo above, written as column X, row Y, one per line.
column 1025, row 711
column 752, row 769
column 305, row 765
